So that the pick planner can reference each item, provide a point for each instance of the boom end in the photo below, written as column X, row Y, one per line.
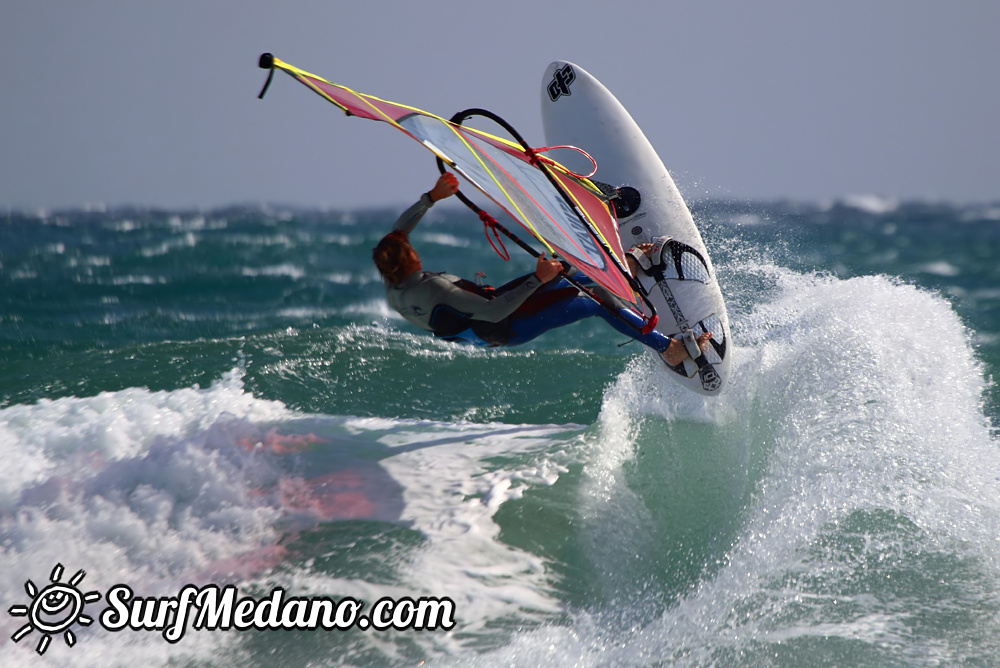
column 266, row 61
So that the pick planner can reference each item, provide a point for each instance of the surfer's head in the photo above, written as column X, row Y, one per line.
column 395, row 257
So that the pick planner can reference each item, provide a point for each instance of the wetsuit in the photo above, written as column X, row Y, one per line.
column 446, row 304
column 517, row 312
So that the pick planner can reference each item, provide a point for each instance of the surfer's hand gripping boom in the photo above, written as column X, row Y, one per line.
column 547, row 269
column 446, row 186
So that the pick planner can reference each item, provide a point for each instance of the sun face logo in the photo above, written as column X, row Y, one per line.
column 54, row 609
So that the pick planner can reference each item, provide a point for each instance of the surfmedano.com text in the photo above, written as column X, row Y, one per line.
column 213, row 608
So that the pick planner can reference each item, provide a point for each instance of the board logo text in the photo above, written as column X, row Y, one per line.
column 561, row 81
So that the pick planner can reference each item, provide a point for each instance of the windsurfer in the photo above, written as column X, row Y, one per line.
column 460, row 310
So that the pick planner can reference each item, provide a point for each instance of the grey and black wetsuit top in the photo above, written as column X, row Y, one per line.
column 446, row 304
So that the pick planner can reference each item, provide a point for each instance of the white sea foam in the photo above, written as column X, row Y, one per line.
column 745, row 219
column 259, row 240
column 131, row 487
column 444, row 240
column 133, row 279
column 287, row 269
column 373, row 308
column 940, row 268
column 158, row 489
column 304, row 312
column 848, row 396
column 871, row 414
column 347, row 278
column 342, row 239
column 186, row 240
column 452, row 494
column 856, row 396
column 873, row 204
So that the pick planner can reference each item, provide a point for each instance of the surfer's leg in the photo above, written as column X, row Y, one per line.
column 563, row 306
column 549, row 307
column 564, row 312
column 630, row 323
column 555, row 305
column 620, row 316
column 559, row 304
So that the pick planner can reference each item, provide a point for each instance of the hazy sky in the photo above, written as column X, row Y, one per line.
column 155, row 103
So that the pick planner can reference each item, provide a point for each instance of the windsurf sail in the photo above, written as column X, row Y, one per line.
column 565, row 212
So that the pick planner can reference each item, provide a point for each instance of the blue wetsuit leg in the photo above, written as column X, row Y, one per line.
column 561, row 313
column 576, row 307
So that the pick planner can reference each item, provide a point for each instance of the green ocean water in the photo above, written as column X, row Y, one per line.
column 224, row 396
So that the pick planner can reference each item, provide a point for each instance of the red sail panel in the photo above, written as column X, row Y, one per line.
column 583, row 230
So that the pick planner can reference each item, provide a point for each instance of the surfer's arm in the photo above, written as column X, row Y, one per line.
column 409, row 218
column 506, row 302
column 477, row 307
column 446, row 186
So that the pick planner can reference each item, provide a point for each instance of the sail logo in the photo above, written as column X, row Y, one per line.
column 561, row 81
column 582, row 236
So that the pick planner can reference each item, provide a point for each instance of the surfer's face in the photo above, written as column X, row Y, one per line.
column 410, row 260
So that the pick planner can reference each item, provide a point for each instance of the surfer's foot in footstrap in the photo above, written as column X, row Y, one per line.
column 677, row 352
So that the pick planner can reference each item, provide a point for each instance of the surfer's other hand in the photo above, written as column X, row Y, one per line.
column 446, row 186
column 546, row 269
